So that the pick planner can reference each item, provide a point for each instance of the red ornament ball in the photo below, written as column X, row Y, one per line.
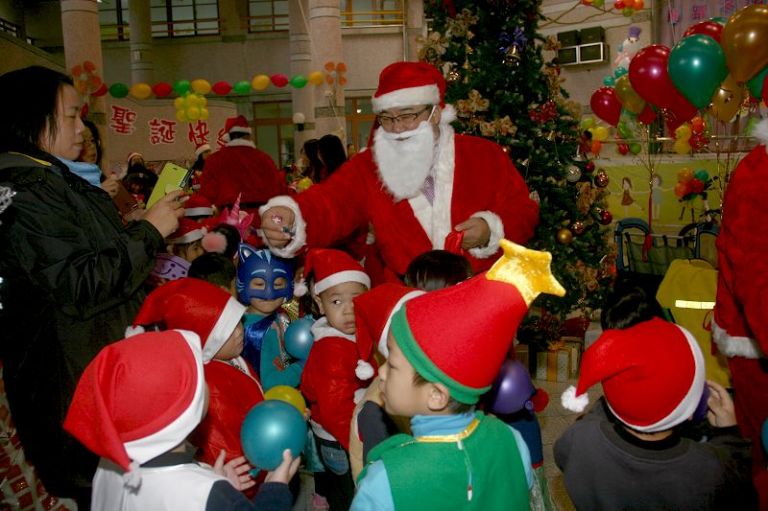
column 590, row 166
column 605, row 217
column 601, row 179
column 578, row 227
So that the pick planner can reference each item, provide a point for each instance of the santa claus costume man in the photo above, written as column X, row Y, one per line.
column 421, row 186
column 239, row 168
column 740, row 324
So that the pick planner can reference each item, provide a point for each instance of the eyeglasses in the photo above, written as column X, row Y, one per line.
column 388, row 122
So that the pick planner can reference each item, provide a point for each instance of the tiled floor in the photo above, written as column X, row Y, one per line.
column 554, row 420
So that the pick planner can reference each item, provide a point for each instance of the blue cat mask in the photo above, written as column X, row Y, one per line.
column 260, row 263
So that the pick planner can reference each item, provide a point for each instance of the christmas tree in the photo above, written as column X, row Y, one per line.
column 506, row 90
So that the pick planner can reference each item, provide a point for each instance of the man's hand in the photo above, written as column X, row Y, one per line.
column 277, row 225
column 476, row 233
column 721, row 412
column 236, row 470
column 286, row 470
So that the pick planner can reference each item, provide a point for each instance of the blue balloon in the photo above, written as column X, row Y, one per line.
column 298, row 338
column 271, row 427
column 620, row 71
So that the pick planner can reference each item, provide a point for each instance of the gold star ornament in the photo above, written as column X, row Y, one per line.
column 528, row 270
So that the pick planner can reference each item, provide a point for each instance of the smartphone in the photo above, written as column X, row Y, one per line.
column 172, row 177
column 124, row 200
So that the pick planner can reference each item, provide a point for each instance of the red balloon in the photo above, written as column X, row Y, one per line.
column 650, row 79
column 647, row 116
column 100, row 91
column 606, row 105
column 623, row 149
column 710, row 28
column 279, row 80
column 221, row 88
column 162, row 89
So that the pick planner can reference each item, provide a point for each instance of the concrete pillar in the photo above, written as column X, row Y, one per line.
column 414, row 28
column 233, row 20
column 142, row 67
column 303, row 100
column 325, row 36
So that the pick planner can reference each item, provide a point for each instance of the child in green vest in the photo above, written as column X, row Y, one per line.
column 440, row 362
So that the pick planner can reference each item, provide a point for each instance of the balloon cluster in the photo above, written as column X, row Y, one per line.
column 690, row 136
column 598, row 134
column 203, row 87
column 692, row 184
column 626, row 7
column 191, row 107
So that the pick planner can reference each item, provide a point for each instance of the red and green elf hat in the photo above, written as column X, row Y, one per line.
column 459, row 336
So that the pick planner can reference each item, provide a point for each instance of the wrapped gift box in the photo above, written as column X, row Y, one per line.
column 576, row 346
column 554, row 365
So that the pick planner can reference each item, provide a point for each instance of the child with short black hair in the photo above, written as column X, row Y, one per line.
column 135, row 405
column 337, row 367
column 437, row 269
column 439, row 364
column 215, row 268
column 626, row 306
column 630, row 454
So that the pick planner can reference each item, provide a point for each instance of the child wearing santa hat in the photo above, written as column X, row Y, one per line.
column 630, row 454
column 264, row 283
column 439, row 365
column 336, row 368
column 233, row 388
column 182, row 247
column 134, row 406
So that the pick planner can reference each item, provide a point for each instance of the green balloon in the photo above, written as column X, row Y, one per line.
column 242, row 87
column 755, row 84
column 620, row 71
column 298, row 81
column 719, row 19
column 608, row 81
column 702, row 175
column 118, row 90
column 635, row 148
column 624, row 130
column 697, row 68
column 181, row 87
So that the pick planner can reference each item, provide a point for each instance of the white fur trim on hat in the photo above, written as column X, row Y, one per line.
column 385, row 332
column 241, row 142
column 130, row 331
column 300, row 288
column 198, row 211
column 239, row 129
column 341, row 277
column 228, row 320
column 496, row 227
column 572, row 402
column 760, row 132
column 200, row 150
column 194, row 235
column 735, row 345
column 410, row 96
column 364, row 370
column 149, row 447
column 299, row 227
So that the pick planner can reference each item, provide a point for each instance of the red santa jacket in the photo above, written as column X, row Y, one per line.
column 740, row 327
column 241, row 168
column 330, row 380
column 478, row 177
column 232, row 393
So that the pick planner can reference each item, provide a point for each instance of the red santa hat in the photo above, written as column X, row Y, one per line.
column 237, row 124
column 459, row 336
column 132, row 155
column 373, row 315
column 188, row 231
column 195, row 305
column 197, row 205
column 409, row 84
column 139, row 398
column 652, row 375
column 201, row 149
column 330, row 268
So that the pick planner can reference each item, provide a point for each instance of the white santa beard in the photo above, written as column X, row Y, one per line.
column 404, row 159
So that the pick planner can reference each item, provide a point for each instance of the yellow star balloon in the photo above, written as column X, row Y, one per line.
column 528, row 270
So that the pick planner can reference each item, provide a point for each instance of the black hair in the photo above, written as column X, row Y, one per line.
column 437, row 269
column 332, row 154
column 232, row 237
column 199, row 163
column 96, row 139
column 32, row 96
column 140, row 180
column 307, row 302
column 215, row 268
column 627, row 306
column 234, row 135
column 315, row 170
column 453, row 406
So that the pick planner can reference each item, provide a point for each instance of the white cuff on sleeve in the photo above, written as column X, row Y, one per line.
column 299, row 226
column 497, row 234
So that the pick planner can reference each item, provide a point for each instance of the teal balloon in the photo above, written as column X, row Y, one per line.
column 635, row 148
column 271, row 427
column 755, row 84
column 298, row 81
column 608, row 81
column 697, row 68
column 181, row 87
column 298, row 338
column 620, row 71
column 242, row 87
column 702, row 175
column 719, row 19
column 118, row 90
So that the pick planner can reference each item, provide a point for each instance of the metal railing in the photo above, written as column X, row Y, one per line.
column 162, row 29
